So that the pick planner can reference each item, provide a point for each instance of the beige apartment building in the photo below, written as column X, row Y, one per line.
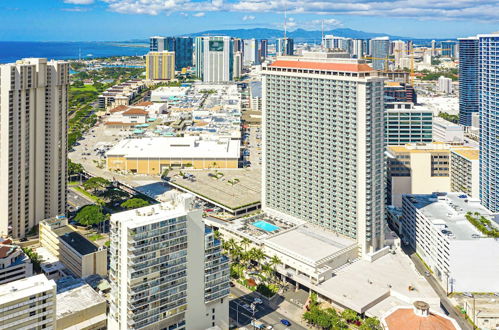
column 77, row 253
column 160, row 65
column 29, row 303
column 465, row 172
column 33, row 143
column 419, row 168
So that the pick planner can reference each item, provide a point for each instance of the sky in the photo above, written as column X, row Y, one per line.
column 120, row 20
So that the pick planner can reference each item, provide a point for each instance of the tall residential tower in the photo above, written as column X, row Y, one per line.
column 33, row 143
column 323, row 157
column 468, row 79
column 214, row 59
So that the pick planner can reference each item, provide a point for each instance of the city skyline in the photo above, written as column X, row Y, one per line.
column 116, row 17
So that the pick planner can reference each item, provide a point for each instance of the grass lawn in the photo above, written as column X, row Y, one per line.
column 89, row 195
column 95, row 237
column 86, row 88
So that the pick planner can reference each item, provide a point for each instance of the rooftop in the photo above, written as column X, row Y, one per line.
column 405, row 318
column 25, row 287
column 470, row 154
column 77, row 299
column 427, row 148
column 311, row 244
column 448, row 212
column 176, row 147
column 82, row 245
column 327, row 66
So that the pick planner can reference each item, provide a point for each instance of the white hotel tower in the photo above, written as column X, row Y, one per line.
column 323, row 156
column 33, row 138
column 167, row 270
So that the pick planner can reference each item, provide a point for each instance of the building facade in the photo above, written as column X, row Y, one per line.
column 167, row 270
column 250, row 52
column 264, row 49
column 380, row 49
column 14, row 264
column 33, row 143
column 323, row 145
column 465, row 172
column 183, row 48
column 468, row 79
column 157, row 44
column 160, row 65
column 407, row 123
column 489, row 120
column 438, row 227
column 285, row 46
column 29, row 303
column 214, row 59
column 444, row 85
column 446, row 131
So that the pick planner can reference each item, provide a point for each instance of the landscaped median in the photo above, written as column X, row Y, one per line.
column 483, row 224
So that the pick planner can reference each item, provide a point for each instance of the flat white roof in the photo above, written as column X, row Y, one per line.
column 308, row 243
column 76, row 300
column 25, row 287
column 153, row 213
column 177, row 147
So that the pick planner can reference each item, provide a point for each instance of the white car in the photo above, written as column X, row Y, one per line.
column 257, row 301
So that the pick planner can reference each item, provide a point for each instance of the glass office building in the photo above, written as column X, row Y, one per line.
column 468, row 79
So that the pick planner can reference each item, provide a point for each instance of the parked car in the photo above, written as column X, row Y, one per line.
column 286, row 322
column 257, row 301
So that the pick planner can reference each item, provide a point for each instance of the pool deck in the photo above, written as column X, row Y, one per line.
column 264, row 225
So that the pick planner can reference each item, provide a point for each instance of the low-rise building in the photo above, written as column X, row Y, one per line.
column 79, row 307
column 465, row 172
column 14, row 264
column 407, row 123
column 156, row 154
column 77, row 253
column 446, row 131
column 256, row 95
column 417, row 316
column 29, row 303
column 438, row 226
column 418, row 169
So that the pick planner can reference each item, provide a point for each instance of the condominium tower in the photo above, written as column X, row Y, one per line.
column 214, row 59
column 250, row 52
column 488, row 60
column 33, row 137
column 380, row 49
column 182, row 46
column 160, row 65
column 323, row 155
column 285, row 46
column 167, row 270
column 468, row 79
column 157, row 44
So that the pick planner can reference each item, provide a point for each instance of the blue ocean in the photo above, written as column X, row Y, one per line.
column 11, row 51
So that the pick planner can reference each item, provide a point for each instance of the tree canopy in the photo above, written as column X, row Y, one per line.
column 134, row 203
column 90, row 215
column 96, row 183
column 74, row 168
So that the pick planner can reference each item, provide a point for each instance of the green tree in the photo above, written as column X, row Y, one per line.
column 90, row 215
column 349, row 315
column 134, row 203
column 96, row 183
column 35, row 258
column 371, row 323
column 113, row 195
column 74, row 168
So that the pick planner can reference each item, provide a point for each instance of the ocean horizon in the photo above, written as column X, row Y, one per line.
column 11, row 51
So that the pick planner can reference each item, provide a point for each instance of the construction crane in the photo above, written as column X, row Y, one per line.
column 386, row 59
column 411, row 52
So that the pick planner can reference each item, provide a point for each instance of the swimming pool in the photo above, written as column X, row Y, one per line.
column 264, row 225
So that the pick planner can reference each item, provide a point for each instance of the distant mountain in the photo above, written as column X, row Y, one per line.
column 299, row 35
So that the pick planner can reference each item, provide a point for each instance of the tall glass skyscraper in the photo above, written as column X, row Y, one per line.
column 488, row 52
column 468, row 79
column 182, row 46
column 285, row 46
column 380, row 49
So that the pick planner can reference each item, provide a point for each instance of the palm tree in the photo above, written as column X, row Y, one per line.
column 245, row 242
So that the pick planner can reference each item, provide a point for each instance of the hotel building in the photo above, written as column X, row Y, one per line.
column 323, row 154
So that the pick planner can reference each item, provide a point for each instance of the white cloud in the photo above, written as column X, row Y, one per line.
column 248, row 18
column 478, row 10
column 79, row 2
column 76, row 9
column 198, row 14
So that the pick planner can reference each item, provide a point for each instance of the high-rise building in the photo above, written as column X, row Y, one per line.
column 448, row 48
column 468, row 79
column 238, row 64
column 433, row 47
column 337, row 43
column 237, row 44
column 380, row 49
column 157, row 44
column 323, row 155
column 160, row 65
column 33, row 143
column 488, row 77
column 264, row 49
column 214, row 58
column 250, row 52
column 182, row 46
column 358, row 48
column 29, row 303
column 399, row 51
column 167, row 269
column 285, row 46
column 400, row 92
column 407, row 123
column 444, row 84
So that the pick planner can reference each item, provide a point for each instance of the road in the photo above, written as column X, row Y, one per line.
column 264, row 314
column 444, row 300
column 75, row 200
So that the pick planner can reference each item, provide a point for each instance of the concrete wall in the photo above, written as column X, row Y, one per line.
column 91, row 318
column 154, row 165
